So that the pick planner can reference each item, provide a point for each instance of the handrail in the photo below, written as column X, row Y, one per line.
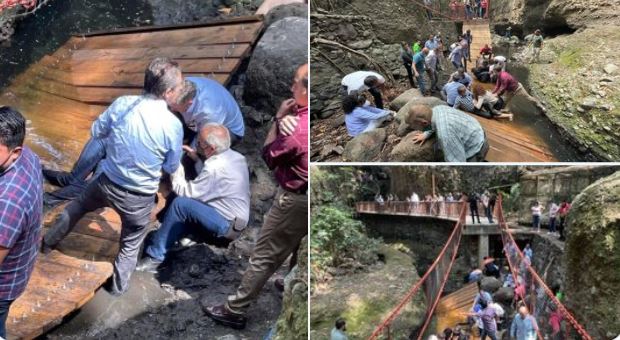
column 456, row 232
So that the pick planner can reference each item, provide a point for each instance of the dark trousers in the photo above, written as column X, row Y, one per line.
column 409, row 74
column 376, row 94
column 474, row 211
column 182, row 214
column 489, row 213
column 284, row 227
column 134, row 210
column 75, row 182
column 561, row 227
column 4, row 312
column 482, row 154
column 485, row 333
column 552, row 224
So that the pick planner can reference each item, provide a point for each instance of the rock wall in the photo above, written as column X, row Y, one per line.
column 555, row 184
column 375, row 31
column 551, row 15
column 593, row 259
column 293, row 321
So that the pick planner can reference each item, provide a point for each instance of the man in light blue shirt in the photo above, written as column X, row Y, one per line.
column 211, row 103
column 431, row 43
column 143, row 138
column 450, row 91
column 523, row 326
column 360, row 118
column 338, row 332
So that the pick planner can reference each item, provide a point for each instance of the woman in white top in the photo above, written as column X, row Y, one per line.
column 536, row 213
column 487, row 105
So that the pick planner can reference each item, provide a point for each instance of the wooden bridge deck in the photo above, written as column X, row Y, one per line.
column 60, row 96
column 452, row 307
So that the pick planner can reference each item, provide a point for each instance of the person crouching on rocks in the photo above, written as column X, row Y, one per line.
column 459, row 135
column 360, row 117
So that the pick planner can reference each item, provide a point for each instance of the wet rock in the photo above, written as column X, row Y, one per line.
column 408, row 151
column 365, row 147
column 588, row 103
column 404, row 98
column 504, row 295
column 281, row 50
column 361, row 45
column 490, row 284
column 610, row 68
column 284, row 11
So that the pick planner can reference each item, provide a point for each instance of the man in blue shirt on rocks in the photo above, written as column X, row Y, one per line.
column 523, row 326
column 450, row 91
column 143, row 138
column 419, row 61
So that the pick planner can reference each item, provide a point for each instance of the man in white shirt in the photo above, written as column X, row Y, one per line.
column 432, row 68
column 361, row 81
column 217, row 200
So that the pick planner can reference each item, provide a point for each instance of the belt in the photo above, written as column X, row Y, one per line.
column 121, row 188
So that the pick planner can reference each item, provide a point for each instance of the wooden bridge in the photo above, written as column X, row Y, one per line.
column 60, row 96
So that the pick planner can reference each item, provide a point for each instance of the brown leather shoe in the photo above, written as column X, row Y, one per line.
column 221, row 314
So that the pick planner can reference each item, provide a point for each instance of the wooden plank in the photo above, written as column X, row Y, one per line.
column 138, row 66
column 179, row 52
column 241, row 33
column 91, row 95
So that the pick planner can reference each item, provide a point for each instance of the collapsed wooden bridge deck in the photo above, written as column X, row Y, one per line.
column 60, row 96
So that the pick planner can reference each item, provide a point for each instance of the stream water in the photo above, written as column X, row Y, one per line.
column 49, row 28
column 530, row 120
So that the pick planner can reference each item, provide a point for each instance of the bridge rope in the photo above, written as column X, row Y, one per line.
column 455, row 235
column 455, row 239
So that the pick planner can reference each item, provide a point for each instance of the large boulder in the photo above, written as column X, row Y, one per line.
column 403, row 114
column 278, row 54
column 490, row 284
column 288, row 10
column 593, row 259
column 404, row 98
column 366, row 147
column 504, row 295
column 408, row 151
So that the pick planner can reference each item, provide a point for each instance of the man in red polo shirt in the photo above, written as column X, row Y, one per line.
column 508, row 86
column 287, row 221
column 21, row 209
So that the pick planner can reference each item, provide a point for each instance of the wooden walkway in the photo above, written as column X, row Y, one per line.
column 451, row 308
column 508, row 143
column 60, row 96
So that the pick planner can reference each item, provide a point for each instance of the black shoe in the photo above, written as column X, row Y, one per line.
column 57, row 178
column 148, row 264
column 46, row 249
column 221, row 314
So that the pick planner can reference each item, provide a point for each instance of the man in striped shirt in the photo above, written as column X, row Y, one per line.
column 464, row 101
column 460, row 136
column 21, row 209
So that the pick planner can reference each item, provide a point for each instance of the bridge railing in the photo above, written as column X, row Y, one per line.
column 443, row 209
column 452, row 11
column 531, row 290
column 433, row 282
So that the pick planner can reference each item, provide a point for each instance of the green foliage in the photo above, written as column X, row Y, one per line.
column 337, row 238
column 511, row 200
column 339, row 185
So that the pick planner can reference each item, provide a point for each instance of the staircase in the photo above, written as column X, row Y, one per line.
column 481, row 33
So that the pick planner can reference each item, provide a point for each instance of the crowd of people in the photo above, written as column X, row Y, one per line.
column 460, row 136
column 175, row 138
column 557, row 217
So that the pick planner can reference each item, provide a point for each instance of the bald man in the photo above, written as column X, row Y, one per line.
column 523, row 326
column 216, row 201
column 287, row 221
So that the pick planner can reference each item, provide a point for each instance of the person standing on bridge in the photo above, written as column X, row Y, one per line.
column 563, row 212
column 135, row 128
column 21, row 210
column 487, row 208
column 553, row 213
column 469, row 39
column 524, row 326
column 459, row 135
column 473, row 206
column 536, row 214
column 484, row 5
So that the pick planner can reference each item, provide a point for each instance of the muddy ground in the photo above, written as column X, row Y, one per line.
column 168, row 305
